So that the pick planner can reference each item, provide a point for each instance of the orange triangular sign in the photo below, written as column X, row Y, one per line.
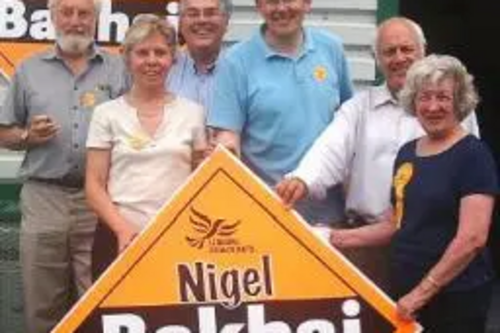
column 224, row 256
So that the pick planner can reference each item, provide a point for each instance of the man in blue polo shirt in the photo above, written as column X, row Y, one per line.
column 277, row 92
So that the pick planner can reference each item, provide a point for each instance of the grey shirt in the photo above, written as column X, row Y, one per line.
column 43, row 84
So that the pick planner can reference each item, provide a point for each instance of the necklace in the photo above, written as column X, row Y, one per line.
column 150, row 113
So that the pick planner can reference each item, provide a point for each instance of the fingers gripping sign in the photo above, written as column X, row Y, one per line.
column 291, row 190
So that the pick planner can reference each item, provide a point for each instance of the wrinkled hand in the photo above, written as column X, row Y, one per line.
column 40, row 130
column 410, row 304
column 127, row 233
column 291, row 190
column 336, row 238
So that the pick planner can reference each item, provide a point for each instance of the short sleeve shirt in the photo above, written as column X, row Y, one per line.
column 279, row 104
column 43, row 84
column 145, row 170
column 426, row 197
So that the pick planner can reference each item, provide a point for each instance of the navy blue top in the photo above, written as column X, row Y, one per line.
column 429, row 210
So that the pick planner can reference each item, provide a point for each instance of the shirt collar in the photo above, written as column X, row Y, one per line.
column 189, row 61
column 53, row 54
column 382, row 96
column 307, row 46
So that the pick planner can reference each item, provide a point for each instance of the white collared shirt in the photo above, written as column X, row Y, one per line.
column 358, row 149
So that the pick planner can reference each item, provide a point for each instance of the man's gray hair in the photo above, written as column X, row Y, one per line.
column 414, row 26
column 434, row 69
column 51, row 4
column 225, row 6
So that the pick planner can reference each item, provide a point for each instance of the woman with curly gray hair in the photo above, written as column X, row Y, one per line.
column 431, row 71
column 444, row 187
column 443, row 190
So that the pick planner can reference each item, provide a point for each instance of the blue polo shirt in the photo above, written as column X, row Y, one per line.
column 277, row 103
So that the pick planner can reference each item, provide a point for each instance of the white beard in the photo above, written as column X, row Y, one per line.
column 73, row 44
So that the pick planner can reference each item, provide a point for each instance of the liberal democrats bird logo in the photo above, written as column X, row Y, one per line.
column 207, row 228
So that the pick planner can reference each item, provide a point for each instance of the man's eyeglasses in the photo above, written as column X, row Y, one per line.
column 207, row 13
column 276, row 3
column 82, row 14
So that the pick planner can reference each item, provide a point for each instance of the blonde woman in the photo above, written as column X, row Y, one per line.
column 140, row 146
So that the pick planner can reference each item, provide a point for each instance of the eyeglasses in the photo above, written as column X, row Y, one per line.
column 82, row 14
column 207, row 13
column 276, row 3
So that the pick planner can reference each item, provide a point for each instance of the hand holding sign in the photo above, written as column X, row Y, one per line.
column 291, row 190
column 127, row 233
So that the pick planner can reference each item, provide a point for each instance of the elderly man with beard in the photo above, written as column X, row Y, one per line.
column 202, row 25
column 46, row 114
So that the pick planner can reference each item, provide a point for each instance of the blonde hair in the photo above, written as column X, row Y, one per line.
column 145, row 25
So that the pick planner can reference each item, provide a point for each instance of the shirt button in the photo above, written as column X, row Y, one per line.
column 75, row 107
column 76, row 146
column 75, row 126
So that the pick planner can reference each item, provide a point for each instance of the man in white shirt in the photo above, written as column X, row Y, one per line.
column 360, row 145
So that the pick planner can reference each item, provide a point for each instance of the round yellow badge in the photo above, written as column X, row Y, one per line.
column 88, row 99
column 320, row 73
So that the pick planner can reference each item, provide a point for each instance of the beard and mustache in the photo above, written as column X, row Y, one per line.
column 75, row 44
